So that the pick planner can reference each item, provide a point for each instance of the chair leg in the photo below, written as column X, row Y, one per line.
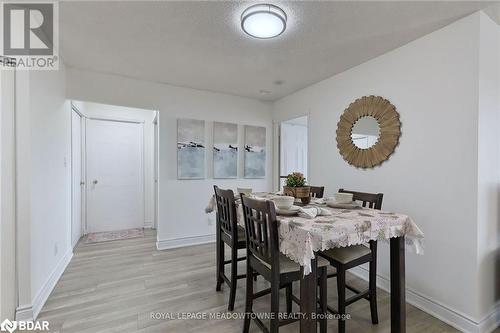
column 275, row 306
column 373, row 290
column 289, row 289
column 234, row 274
column 323, row 299
column 249, row 299
column 220, row 261
column 341, row 296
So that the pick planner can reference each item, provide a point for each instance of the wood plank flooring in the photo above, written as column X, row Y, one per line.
column 117, row 286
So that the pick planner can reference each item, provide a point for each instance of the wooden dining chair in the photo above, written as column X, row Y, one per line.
column 264, row 257
column 345, row 258
column 230, row 233
column 317, row 191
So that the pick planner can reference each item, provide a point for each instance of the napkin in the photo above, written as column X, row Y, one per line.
column 320, row 201
column 312, row 212
column 256, row 197
column 212, row 205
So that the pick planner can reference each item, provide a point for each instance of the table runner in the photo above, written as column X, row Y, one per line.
column 300, row 237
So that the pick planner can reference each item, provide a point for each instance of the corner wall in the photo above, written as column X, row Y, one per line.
column 50, row 182
column 432, row 176
column 488, row 198
column 8, row 299
column 43, row 169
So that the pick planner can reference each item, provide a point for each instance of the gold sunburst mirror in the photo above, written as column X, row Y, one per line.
column 368, row 131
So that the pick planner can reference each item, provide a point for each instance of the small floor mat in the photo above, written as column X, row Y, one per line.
column 98, row 237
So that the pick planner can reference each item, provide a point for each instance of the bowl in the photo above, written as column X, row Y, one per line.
column 343, row 198
column 283, row 202
column 243, row 190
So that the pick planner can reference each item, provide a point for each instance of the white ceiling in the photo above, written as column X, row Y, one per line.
column 200, row 44
column 493, row 11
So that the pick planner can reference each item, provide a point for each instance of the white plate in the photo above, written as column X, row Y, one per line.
column 288, row 212
column 335, row 204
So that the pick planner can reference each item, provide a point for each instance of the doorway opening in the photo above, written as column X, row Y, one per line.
column 293, row 147
column 114, row 172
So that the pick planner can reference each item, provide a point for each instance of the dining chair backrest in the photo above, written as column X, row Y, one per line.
column 261, row 229
column 372, row 200
column 226, row 211
column 317, row 191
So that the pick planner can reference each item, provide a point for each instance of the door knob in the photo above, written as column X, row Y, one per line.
column 82, row 183
column 95, row 182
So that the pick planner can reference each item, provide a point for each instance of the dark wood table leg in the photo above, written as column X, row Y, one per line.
column 398, row 297
column 308, row 299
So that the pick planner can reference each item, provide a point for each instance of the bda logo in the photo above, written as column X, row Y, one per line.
column 8, row 325
column 11, row 326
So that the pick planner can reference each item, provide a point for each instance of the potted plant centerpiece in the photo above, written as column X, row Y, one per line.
column 296, row 187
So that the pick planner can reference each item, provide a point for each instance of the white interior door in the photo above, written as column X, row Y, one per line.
column 77, row 177
column 115, row 176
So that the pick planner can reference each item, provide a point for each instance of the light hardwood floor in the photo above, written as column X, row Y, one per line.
column 116, row 286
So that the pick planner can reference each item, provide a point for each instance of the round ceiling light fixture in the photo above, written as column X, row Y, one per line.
column 263, row 21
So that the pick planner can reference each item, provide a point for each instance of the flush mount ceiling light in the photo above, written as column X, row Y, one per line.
column 263, row 21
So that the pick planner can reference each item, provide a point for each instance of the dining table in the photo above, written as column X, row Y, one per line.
column 302, row 236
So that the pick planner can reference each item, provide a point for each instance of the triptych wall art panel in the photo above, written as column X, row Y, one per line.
column 225, row 150
column 255, row 152
column 190, row 149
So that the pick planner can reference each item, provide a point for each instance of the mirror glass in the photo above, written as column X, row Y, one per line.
column 365, row 132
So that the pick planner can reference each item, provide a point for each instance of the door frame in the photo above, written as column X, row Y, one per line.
column 82, row 184
column 156, row 167
column 143, row 169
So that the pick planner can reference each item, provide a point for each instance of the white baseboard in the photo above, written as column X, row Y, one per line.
column 149, row 224
column 436, row 309
column 24, row 313
column 491, row 321
column 30, row 312
column 166, row 244
column 51, row 282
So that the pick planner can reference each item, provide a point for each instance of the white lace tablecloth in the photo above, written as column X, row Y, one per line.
column 300, row 237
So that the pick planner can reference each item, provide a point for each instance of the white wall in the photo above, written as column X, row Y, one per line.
column 23, row 193
column 488, row 215
column 43, row 185
column 50, row 187
column 119, row 112
column 433, row 82
column 182, row 219
column 8, row 293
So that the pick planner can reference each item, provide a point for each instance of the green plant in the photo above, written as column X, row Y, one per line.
column 295, row 179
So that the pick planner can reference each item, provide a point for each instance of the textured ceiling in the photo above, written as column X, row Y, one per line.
column 200, row 44
column 493, row 11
